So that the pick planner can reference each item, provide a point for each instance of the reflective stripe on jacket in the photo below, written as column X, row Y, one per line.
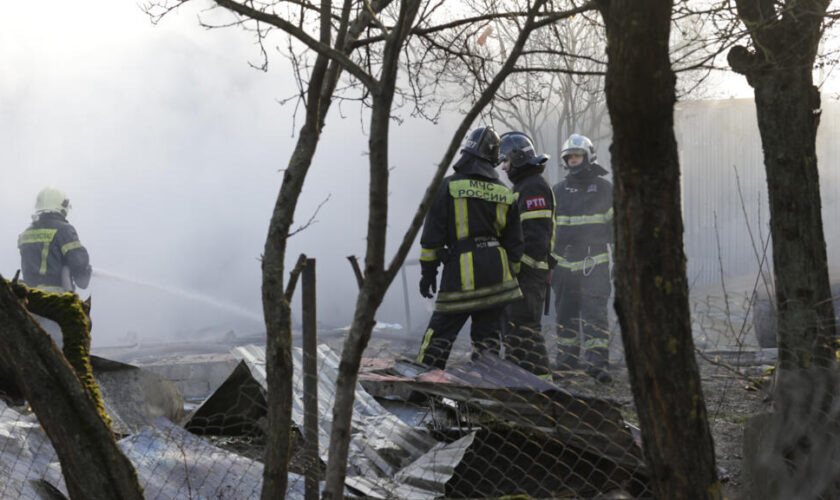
column 536, row 212
column 47, row 245
column 583, row 222
column 473, row 228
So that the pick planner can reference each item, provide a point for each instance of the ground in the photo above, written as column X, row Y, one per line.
column 728, row 403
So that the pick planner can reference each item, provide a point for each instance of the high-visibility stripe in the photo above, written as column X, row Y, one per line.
column 554, row 226
column 546, row 376
column 536, row 264
column 70, row 246
column 462, row 228
column 42, row 236
column 426, row 339
column 517, row 266
column 501, row 218
column 568, row 341
column 596, row 343
column 487, row 301
column 535, row 214
column 467, row 275
column 478, row 292
column 428, row 254
column 505, row 266
column 578, row 265
column 482, row 190
column 37, row 236
column 581, row 220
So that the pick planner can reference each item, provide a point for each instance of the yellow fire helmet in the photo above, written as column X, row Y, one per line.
column 51, row 199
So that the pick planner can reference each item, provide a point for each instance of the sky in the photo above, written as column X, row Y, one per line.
column 171, row 148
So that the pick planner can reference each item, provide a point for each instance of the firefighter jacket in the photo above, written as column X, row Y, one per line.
column 46, row 246
column 473, row 228
column 583, row 218
column 535, row 201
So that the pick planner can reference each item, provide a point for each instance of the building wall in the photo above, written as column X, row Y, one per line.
column 719, row 147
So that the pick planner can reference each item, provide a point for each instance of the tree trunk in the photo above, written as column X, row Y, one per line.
column 91, row 462
column 276, row 307
column 788, row 109
column 787, row 104
column 651, row 287
column 278, row 321
column 376, row 281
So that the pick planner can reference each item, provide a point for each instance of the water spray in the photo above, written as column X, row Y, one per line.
column 239, row 311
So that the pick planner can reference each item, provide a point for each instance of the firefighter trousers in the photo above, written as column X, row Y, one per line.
column 443, row 330
column 522, row 334
column 581, row 305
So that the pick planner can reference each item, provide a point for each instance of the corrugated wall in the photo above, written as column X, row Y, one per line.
column 717, row 139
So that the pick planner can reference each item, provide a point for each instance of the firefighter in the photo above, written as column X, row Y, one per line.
column 473, row 229
column 522, row 334
column 581, row 279
column 51, row 256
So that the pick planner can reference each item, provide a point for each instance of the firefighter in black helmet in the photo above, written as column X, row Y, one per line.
column 473, row 229
column 581, row 279
column 522, row 334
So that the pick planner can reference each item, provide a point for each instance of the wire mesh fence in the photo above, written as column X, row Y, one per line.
column 483, row 427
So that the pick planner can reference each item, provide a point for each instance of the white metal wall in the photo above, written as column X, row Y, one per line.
column 716, row 139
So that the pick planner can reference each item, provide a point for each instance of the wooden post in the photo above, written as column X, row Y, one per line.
column 405, row 300
column 310, row 381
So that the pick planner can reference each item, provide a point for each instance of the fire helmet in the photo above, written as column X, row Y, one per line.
column 51, row 199
column 578, row 144
column 519, row 149
column 483, row 142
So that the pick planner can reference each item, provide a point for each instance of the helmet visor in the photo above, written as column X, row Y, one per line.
column 574, row 151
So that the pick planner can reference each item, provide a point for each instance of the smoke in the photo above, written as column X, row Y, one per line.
column 171, row 149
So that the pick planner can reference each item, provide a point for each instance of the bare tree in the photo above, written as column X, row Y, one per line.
column 651, row 285
column 377, row 276
column 372, row 64
column 779, row 64
column 92, row 464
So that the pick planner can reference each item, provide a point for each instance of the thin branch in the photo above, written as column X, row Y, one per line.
column 278, row 22
column 312, row 219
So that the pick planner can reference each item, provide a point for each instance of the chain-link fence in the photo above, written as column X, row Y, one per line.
column 194, row 425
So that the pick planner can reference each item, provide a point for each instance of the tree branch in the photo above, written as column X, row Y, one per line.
column 326, row 50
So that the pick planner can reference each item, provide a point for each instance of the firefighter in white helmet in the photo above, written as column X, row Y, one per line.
column 581, row 279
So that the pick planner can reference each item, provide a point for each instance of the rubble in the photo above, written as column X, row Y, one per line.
column 537, row 438
column 135, row 397
column 489, row 429
column 381, row 448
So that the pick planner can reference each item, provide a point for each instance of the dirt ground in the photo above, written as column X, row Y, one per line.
column 729, row 404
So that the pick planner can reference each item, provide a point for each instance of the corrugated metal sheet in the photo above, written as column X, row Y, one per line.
column 170, row 462
column 25, row 455
column 388, row 458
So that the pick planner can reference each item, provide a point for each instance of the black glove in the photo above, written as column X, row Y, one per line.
column 428, row 286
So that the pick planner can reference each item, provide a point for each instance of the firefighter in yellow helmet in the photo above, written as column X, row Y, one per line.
column 473, row 229
column 51, row 256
